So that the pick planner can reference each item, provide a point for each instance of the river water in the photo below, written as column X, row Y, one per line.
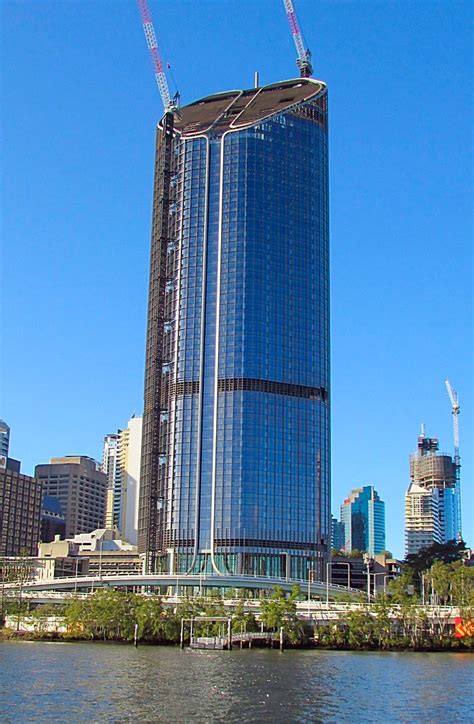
column 77, row 682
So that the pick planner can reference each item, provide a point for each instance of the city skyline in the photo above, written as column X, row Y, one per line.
column 403, row 254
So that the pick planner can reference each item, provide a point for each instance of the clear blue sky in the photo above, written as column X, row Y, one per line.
column 79, row 107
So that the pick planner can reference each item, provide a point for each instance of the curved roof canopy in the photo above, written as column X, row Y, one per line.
column 238, row 109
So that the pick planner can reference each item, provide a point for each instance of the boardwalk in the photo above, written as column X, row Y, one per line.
column 247, row 639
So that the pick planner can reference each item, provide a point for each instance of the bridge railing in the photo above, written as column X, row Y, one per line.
column 180, row 580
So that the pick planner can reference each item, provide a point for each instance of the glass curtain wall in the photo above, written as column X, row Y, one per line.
column 248, row 452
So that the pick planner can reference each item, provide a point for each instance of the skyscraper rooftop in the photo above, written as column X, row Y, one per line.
column 239, row 109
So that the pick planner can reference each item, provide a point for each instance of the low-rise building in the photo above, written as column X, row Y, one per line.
column 99, row 553
column 15, row 569
column 356, row 571
column 348, row 571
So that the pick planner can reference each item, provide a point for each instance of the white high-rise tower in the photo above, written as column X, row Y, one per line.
column 121, row 462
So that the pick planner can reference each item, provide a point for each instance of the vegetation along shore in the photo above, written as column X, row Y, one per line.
column 395, row 620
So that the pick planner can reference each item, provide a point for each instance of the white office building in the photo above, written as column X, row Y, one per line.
column 122, row 455
column 422, row 518
column 110, row 468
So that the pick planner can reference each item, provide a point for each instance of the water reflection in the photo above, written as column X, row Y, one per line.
column 111, row 682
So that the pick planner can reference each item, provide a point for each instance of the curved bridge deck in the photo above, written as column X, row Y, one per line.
column 178, row 582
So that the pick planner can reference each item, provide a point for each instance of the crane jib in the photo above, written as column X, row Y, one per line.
column 152, row 44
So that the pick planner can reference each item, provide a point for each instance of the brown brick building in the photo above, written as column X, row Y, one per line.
column 20, row 511
column 81, row 489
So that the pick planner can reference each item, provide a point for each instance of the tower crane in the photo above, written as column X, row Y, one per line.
column 304, row 54
column 455, row 409
column 170, row 104
column 155, row 510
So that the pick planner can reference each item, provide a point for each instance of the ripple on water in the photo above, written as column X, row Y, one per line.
column 113, row 682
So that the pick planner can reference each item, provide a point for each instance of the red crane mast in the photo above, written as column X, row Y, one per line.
column 170, row 104
column 304, row 54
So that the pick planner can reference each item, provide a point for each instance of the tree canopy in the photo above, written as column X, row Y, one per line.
column 445, row 552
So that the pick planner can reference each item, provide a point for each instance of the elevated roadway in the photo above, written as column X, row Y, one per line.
column 178, row 583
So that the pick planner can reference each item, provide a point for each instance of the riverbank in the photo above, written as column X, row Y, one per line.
column 445, row 646
column 110, row 615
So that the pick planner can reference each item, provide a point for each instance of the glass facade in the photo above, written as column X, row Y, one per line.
column 363, row 518
column 245, row 444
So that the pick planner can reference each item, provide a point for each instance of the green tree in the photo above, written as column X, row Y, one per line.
column 213, row 605
column 440, row 578
column 243, row 620
column 462, row 585
column 42, row 615
column 277, row 612
column 106, row 614
column 149, row 613
column 360, row 629
column 18, row 571
column 401, row 589
column 382, row 622
column 444, row 552
column 296, row 593
column 76, row 618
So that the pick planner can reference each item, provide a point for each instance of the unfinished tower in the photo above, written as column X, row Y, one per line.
column 431, row 502
column 236, row 449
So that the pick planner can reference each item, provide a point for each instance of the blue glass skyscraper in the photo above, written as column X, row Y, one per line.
column 236, row 444
column 363, row 518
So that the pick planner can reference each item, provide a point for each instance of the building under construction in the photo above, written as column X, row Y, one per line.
column 235, row 457
column 431, row 505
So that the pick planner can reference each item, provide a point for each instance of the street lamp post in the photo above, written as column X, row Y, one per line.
column 328, row 564
column 311, row 573
column 336, row 563
column 367, row 560
column 100, row 560
column 385, row 576
column 75, row 582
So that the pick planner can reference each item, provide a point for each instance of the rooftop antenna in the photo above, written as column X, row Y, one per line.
column 170, row 104
column 304, row 54
column 455, row 409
